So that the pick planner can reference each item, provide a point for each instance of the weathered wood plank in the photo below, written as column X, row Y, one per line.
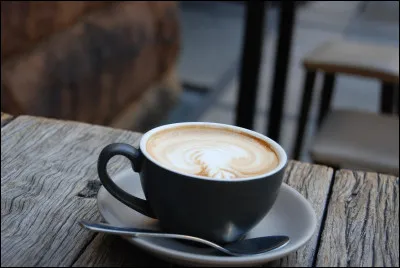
column 362, row 225
column 44, row 165
column 5, row 119
column 310, row 180
column 114, row 251
column 313, row 182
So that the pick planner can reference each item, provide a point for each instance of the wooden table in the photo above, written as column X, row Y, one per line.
column 49, row 181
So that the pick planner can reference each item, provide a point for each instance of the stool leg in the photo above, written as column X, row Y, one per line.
column 396, row 99
column 326, row 96
column 305, row 108
column 387, row 95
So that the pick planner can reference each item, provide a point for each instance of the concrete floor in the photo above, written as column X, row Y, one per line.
column 315, row 23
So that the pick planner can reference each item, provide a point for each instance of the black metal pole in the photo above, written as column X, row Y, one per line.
column 282, row 60
column 250, row 64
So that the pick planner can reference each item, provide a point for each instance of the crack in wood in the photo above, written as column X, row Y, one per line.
column 91, row 189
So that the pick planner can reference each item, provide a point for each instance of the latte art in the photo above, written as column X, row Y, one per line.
column 212, row 152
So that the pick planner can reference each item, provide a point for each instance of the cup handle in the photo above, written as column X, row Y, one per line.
column 134, row 155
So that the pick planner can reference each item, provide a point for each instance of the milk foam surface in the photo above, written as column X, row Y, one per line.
column 212, row 152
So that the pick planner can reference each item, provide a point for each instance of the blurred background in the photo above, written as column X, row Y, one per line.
column 137, row 65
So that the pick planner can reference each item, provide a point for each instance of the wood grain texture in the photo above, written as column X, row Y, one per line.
column 45, row 164
column 114, row 251
column 362, row 225
column 310, row 180
column 5, row 119
column 313, row 182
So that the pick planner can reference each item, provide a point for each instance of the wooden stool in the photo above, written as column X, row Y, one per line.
column 358, row 140
column 367, row 60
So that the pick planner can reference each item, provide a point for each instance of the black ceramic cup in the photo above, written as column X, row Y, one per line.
column 218, row 210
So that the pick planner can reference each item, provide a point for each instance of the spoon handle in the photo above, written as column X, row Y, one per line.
column 109, row 229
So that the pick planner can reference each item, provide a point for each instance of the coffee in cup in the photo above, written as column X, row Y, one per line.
column 212, row 152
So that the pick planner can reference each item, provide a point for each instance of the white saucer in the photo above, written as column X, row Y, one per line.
column 291, row 215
